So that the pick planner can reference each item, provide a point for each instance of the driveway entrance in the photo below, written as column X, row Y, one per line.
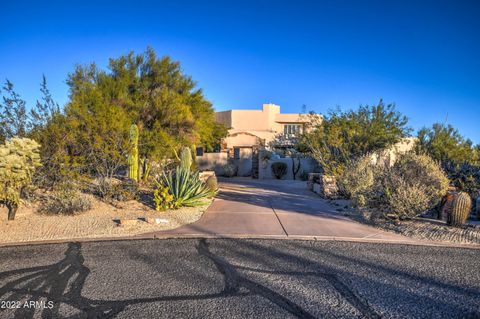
column 275, row 208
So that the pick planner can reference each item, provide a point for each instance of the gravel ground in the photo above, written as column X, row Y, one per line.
column 95, row 223
column 421, row 228
column 433, row 230
column 189, row 278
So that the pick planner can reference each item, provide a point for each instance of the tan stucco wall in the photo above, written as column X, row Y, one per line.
column 390, row 155
column 265, row 124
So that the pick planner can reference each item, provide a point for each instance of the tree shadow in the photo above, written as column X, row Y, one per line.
column 146, row 198
column 62, row 283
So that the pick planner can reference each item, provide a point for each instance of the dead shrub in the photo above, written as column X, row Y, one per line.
column 66, row 202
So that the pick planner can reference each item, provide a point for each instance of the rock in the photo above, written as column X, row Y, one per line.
column 206, row 174
column 156, row 220
column 324, row 185
column 128, row 222
column 329, row 188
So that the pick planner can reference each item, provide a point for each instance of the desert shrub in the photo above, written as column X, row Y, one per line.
column 65, row 202
column 229, row 170
column 411, row 186
column 405, row 198
column 185, row 186
column 279, row 169
column 422, row 169
column 357, row 179
column 125, row 190
column 112, row 189
column 212, row 183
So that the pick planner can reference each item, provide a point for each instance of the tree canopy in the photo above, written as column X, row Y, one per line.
column 445, row 143
column 90, row 134
column 345, row 135
column 143, row 89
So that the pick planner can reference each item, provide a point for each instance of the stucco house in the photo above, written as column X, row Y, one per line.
column 251, row 130
column 258, row 128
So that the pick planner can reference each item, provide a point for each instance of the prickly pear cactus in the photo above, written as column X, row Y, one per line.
column 461, row 206
column 186, row 158
column 133, row 171
column 19, row 157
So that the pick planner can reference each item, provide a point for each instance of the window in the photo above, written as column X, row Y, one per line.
column 199, row 151
column 292, row 129
column 236, row 153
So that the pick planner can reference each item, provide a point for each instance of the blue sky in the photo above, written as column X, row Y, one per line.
column 422, row 55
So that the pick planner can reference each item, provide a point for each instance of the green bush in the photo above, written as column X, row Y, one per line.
column 411, row 186
column 186, row 188
column 229, row 170
column 279, row 169
column 65, row 202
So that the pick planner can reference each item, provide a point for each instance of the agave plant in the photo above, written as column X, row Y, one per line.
column 186, row 187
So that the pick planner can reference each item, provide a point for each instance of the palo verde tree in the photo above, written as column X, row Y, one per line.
column 166, row 104
column 100, row 123
column 342, row 136
column 90, row 135
column 444, row 143
column 459, row 158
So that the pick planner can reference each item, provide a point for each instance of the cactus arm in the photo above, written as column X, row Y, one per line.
column 133, row 171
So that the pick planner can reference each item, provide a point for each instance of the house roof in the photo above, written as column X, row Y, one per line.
column 291, row 118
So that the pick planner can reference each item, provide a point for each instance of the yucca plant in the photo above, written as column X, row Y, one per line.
column 186, row 187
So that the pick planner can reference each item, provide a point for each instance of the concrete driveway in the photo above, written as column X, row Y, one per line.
column 276, row 209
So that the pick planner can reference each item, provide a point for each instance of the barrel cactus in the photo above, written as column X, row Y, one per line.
column 19, row 157
column 186, row 158
column 461, row 206
column 133, row 171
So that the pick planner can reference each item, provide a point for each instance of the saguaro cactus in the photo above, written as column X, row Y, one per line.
column 461, row 206
column 186, row 158
column 133, row 171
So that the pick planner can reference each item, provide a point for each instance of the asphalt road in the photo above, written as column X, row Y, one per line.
column 221, row 278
